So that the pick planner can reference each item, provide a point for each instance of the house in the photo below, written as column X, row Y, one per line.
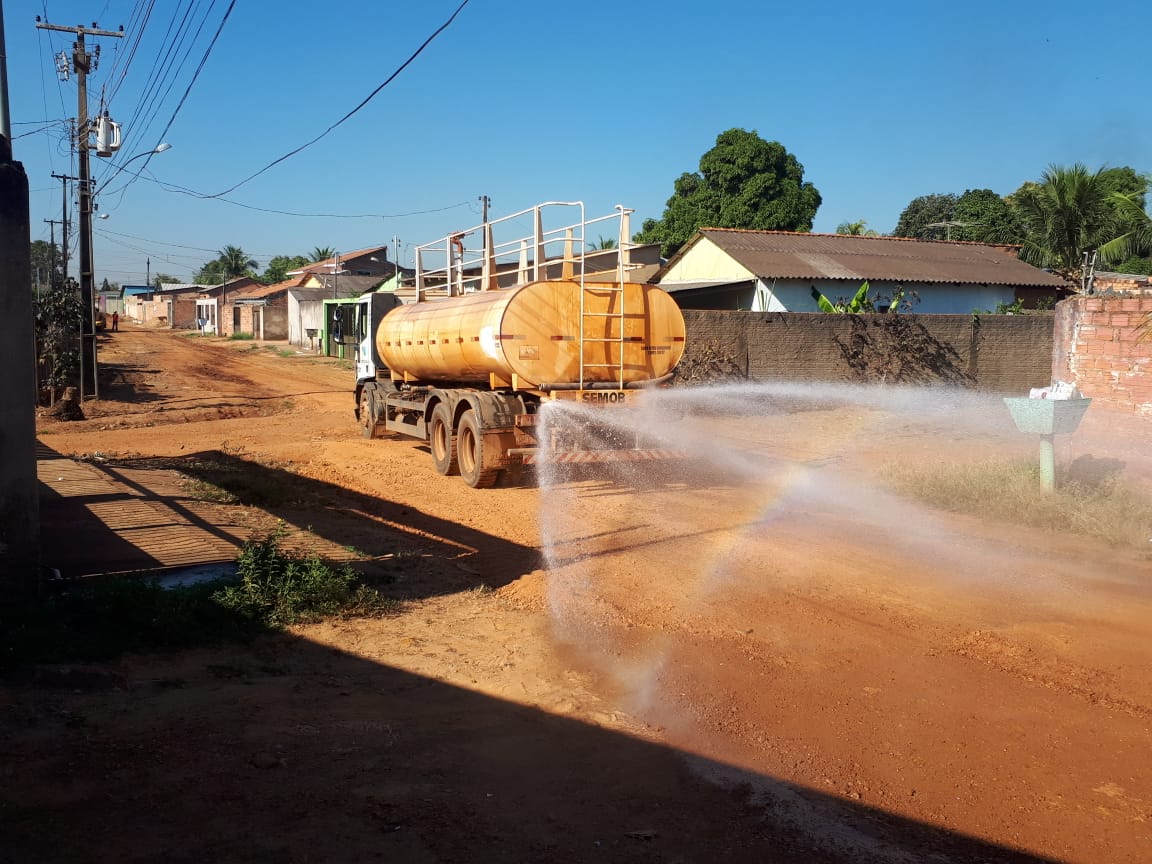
column 170, row 305
column 213, row 301
column 778, row 271
column 361, row 262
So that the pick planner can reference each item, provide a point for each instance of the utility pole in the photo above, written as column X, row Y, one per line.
column 484, row 202
column 82, row 64
column 64, row 178
column 19, row 493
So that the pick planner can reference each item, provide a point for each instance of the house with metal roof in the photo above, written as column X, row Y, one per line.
column 779, row 271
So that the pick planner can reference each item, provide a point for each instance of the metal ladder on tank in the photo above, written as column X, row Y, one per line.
column 591, row 320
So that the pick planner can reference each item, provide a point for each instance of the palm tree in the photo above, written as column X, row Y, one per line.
column 1137, row 240
column 1065, row 215
column 603, row 242
column 234, row 262
column 323, row 253
column 859, row 228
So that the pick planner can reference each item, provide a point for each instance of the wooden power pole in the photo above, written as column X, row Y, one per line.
column 82, row 65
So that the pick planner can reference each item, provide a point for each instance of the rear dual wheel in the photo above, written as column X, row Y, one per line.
column 470, row 453
column 440, row 441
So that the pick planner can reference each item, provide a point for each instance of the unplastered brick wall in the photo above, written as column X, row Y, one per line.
column 1001, row 353
column 1104, row 343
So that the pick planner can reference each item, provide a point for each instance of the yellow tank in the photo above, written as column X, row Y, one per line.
column 532, row 332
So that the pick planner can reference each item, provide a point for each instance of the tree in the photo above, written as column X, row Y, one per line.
column 921, row 214
column 1069, row 212
column 322, row 253
column 985, row 217
column 1134, row 246
column 278, row 267
column 212, row 273
column 231, row 262
column 859, row 228
column 163, row 279
column 603, row 243
column 47, row 264
column 743, row 182
column 235, row 262
column 58, row 336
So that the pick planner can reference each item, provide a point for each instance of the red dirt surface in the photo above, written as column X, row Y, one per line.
column 670, row 668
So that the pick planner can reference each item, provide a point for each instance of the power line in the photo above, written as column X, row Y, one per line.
column 339, row 122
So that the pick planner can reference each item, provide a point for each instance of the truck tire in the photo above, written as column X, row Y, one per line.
column 470, row 453
column 440, row 441
column 367, row 421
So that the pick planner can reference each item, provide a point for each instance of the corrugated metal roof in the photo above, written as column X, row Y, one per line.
column 792, row 255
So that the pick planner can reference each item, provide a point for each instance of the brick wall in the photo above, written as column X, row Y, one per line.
column 1100, row 347
column 1001, row 353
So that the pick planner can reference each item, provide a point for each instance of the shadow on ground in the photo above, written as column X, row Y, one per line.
column 289, row 751
column 131, row 514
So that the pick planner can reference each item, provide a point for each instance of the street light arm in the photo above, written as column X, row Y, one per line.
column 159, row 148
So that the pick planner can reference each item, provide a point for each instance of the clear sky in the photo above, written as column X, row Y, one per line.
column 605, row 102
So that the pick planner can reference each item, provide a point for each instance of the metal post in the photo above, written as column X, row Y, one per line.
column 1047, row 463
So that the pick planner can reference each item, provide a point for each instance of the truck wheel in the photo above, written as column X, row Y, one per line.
column 367, row 421
column 470, row 453
column 440, row 441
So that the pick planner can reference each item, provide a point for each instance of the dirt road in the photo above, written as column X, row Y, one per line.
column 771, row 659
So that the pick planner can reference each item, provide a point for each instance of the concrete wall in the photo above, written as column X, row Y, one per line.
column 1101, row 348
column 1001, row 353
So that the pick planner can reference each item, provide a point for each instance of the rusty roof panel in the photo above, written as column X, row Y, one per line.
column 792, row 255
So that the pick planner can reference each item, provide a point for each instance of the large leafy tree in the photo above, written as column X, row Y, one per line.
column 743, row 182
column 985, row 217
column 1069, row 212
column 924, row 218
column 278, row 267
column 47, row 264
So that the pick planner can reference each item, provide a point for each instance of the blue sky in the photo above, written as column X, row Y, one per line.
column 605, row 102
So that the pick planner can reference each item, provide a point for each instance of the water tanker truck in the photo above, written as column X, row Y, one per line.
column 467, row 355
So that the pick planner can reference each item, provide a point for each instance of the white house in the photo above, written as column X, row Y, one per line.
column 777, row 271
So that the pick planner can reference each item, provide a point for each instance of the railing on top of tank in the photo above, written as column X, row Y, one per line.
column 472, row 260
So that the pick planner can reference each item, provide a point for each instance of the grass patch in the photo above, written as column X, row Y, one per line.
column 277, row 587
column 241, row 337
column 103, row 617
column 1090, row 499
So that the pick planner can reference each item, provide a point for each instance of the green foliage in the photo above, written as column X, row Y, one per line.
column 231, row 263
column 986, row 217
column 1136, row 241
column 278, row 267
column 743, row 182
column 322, row 253
column 859, row 228
column 603, row 243
column 47, row 264
column 163, row 279
column 58, row 312
column 242, row 337
column 925, row 211
column 278, row 587
column 861, row 303
column 1072, row 211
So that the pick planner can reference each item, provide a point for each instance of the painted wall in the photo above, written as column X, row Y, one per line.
column 1101, row 348
column 1002, row 353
